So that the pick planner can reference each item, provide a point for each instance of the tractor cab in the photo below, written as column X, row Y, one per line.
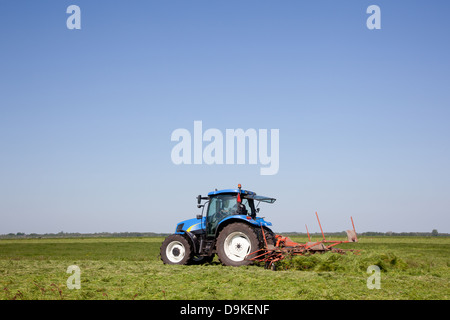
column 228, row 227
column 231, row 203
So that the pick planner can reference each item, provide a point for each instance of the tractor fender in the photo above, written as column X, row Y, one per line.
column 190, row 237
column 193, row 240
column 258, row 222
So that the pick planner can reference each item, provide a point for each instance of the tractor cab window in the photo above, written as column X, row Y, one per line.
column 221, row 206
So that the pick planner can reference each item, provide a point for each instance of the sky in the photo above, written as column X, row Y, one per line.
column 86, row 115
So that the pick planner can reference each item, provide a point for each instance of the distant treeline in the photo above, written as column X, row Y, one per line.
column 21, row 235
column 82, row 235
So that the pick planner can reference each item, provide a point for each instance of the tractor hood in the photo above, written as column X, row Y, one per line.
column 190, row 225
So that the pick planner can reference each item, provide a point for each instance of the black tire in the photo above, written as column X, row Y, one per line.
column 201, row 259
column 268, row 235
column 234, row 244
column 176, row 249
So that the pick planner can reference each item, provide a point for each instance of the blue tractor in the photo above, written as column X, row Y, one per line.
column 230, row 228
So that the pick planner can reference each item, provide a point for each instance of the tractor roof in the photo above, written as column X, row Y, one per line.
column 216, row 192
column 246, row 193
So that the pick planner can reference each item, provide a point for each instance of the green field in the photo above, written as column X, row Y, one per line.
column 129, row 268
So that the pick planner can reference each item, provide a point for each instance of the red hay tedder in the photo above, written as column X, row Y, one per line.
column 284, row 247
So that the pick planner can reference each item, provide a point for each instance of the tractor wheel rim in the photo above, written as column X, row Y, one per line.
column 237, row 246
column 175, row 251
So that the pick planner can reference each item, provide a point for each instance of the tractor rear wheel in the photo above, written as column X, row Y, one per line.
column 235, row 242
column 175, row 249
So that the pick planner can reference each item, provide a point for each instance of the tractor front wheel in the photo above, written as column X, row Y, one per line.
column 175, row 249
column 235, row 242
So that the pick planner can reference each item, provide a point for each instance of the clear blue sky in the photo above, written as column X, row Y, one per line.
column 86, row 115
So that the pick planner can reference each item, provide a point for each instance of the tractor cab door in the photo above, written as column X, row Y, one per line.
column 220, row 206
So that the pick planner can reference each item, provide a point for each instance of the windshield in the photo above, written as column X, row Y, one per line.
column 224, row 205
column 227, row 205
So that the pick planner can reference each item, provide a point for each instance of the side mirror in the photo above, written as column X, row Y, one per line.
column 199, row 199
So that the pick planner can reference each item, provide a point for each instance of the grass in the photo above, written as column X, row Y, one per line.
column 129, row 268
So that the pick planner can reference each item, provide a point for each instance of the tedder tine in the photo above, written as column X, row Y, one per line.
column 323, row 236
column 309, row 239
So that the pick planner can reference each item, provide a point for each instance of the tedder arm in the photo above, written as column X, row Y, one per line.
column 284, row 246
